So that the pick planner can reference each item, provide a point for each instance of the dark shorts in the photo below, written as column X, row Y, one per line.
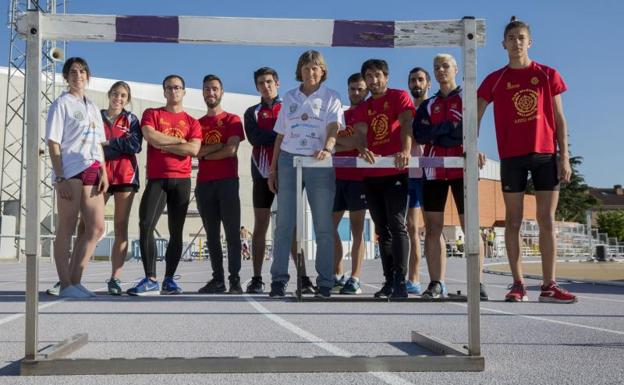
column 414, row 193
column 349, row 196
column 262, row 197
column 90, row 176
column 115, row 188
column 435, row 193
column 515, row 172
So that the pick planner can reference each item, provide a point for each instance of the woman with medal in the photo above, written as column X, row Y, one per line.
column 306, row 125
column 74, row 133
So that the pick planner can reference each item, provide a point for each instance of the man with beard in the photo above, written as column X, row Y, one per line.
column 383, row 122
column 173, row 136
column 217, row 187
column 419, row 83
column 350, row 196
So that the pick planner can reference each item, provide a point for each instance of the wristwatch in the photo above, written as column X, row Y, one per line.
column 59, row 179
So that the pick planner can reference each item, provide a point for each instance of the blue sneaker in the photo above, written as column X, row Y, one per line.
column 414, row 287
column 170, row 287
column 351, row 287
column 145, row 287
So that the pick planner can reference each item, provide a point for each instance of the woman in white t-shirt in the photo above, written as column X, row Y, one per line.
column 74, row 133
column 307, row 124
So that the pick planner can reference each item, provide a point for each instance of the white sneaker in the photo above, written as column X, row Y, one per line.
column 73, row 292
column 85, row 290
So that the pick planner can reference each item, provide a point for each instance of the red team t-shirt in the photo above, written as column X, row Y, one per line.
column 348, row 173
column 384, row 130
column 218, row 129
column 162, row 164
column 523, row 108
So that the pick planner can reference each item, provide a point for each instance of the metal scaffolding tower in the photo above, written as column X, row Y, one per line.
column 12, row 179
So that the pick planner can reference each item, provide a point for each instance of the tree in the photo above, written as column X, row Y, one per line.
column 574, row 197
column 612, row 223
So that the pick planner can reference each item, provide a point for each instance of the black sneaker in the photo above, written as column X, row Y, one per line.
column 399, row 290
column 213, row 287
column 483, row 293
column 307, row 287
column 256, row 286
column 434, row 291
column 278, row 290
column 385, row 291
column 323, row 292
column 235, row 286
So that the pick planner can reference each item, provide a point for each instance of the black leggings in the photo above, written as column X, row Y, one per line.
column 175, row 193
column 218, row 202
column 386, row 197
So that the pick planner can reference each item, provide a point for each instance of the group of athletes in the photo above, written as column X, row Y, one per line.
column 93, row 155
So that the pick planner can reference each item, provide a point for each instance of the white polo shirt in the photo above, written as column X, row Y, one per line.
column 303, row 119
column 76, row 124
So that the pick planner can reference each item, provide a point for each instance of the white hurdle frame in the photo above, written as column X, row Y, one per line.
column 465, row 33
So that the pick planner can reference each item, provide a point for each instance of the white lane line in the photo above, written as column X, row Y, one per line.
column 13, row 317
column 544, row 319
column 388, row 378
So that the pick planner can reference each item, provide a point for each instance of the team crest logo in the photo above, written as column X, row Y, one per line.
column 303, row 142
column 181, row 124
column 78, row 115
column 304, row 117
column 220, row 123
column 534, row 80
column 174, row 131
column 454, row 106
column 292, row 108
column 163, row 122
column 436, row 109
column 265, row 115
column 380, row 126
column 212, row 137
column 385, row 106
column 525, row 102
column 371, row 112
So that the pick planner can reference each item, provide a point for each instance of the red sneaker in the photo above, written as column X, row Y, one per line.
column 554, row 294
column 518, row 293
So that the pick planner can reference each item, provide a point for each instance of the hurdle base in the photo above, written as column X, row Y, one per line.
column 446, row 358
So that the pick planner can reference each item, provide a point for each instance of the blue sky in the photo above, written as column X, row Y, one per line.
column 582, row 40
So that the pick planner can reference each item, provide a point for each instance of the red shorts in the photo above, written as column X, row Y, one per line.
column 90, row 176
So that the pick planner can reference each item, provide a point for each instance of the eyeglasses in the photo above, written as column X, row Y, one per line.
column 174, row 88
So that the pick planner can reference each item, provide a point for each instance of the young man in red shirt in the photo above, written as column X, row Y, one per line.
column 384, row 122
column 173, row 137
column 530, row 125
column 259, row 122
column 350, row 196
column 217, row 187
